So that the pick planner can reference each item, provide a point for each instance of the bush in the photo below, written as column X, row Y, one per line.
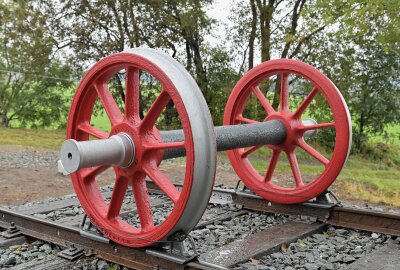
column 387, row 153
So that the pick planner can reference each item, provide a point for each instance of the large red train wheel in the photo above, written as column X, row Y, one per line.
column 261, row 182
column 177, row 85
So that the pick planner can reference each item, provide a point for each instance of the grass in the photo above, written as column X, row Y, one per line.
column 394, row 135
column 37, row 138
column 42, row 138
column 360, row 179
column 370, row 181
column 101, row 121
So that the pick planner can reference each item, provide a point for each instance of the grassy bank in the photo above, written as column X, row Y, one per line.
column 394, row 135
column 360, row 179
column 37, row 138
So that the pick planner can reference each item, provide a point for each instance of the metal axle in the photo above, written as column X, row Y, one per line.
column 231, row 137
column 119, row 150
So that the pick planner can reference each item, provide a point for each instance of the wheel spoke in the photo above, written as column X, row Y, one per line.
column 250, row 150
column 143, row 205
column 317, row 126
column 155, row 110
column 95, row 132
column 162, row 181
column 309, row 149
column 294, row 165
column 117, row 197
column 109, row 104
column 161, row 146
column 306, row 102
column 94, row 171
column 263, row 100
column 272, row 165
column 240, row 118
column 132, row 92
column 284, row 92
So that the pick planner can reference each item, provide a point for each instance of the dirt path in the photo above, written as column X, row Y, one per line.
column 28, row 174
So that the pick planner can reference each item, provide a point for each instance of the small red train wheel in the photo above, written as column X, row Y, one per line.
column 177, row 85
column 262, row 184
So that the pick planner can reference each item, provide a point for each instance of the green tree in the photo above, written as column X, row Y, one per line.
column 354, row 42
column 279, row 28
column 27, row 84
column 363, row 59
column 95, row 29
column 222, row 78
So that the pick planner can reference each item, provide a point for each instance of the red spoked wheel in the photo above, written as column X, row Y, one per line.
column 261, row 182
column 177, row 86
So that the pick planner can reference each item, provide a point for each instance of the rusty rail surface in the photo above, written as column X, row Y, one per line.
column 341, row 216
column 65, row 236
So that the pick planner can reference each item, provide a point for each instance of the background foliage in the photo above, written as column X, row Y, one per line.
column 46, row 46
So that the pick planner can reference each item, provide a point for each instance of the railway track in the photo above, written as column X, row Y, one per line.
column 219, row 241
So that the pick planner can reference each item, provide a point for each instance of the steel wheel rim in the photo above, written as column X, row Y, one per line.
column 243, row 167
column 164, row 69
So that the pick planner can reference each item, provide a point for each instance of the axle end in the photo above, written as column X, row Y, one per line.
column 70, row 156
column 118, row 150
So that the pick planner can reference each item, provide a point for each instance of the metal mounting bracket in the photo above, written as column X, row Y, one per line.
column 244, row 190
column 175, row 249
column 325, row 198
column 86, row 229
column 11, row 232
column 72, row 253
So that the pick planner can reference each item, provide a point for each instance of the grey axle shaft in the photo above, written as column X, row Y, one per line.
column 119, row 150
column 232, row 137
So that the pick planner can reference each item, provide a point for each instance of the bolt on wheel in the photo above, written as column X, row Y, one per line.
column 176, row 87
column 249, row 93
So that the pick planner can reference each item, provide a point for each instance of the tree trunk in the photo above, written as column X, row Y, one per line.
column 266, row 12
column 360, row 141
column 265, row 17
column 188, row 56
column 169, row 113
column 201, row 72
column 252, row 33
column 141, row 105
column 277, row 93
column 192, row 46
column 298, row 7
column 120, row 89
column 4, row 121
column 360, row 144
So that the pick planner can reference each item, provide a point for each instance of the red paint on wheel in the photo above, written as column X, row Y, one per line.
column 262, row 184
column 148, row 150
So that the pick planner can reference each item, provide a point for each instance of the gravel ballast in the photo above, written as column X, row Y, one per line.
column 19, row 254
column 332, row 249
column 28, row 158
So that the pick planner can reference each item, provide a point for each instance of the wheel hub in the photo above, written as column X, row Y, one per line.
column 140, row 138
column 293, row 134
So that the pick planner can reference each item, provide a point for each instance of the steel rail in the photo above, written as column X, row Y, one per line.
column 365, row 220
column 333, row 214
column 341, row 216
column 65, row 236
